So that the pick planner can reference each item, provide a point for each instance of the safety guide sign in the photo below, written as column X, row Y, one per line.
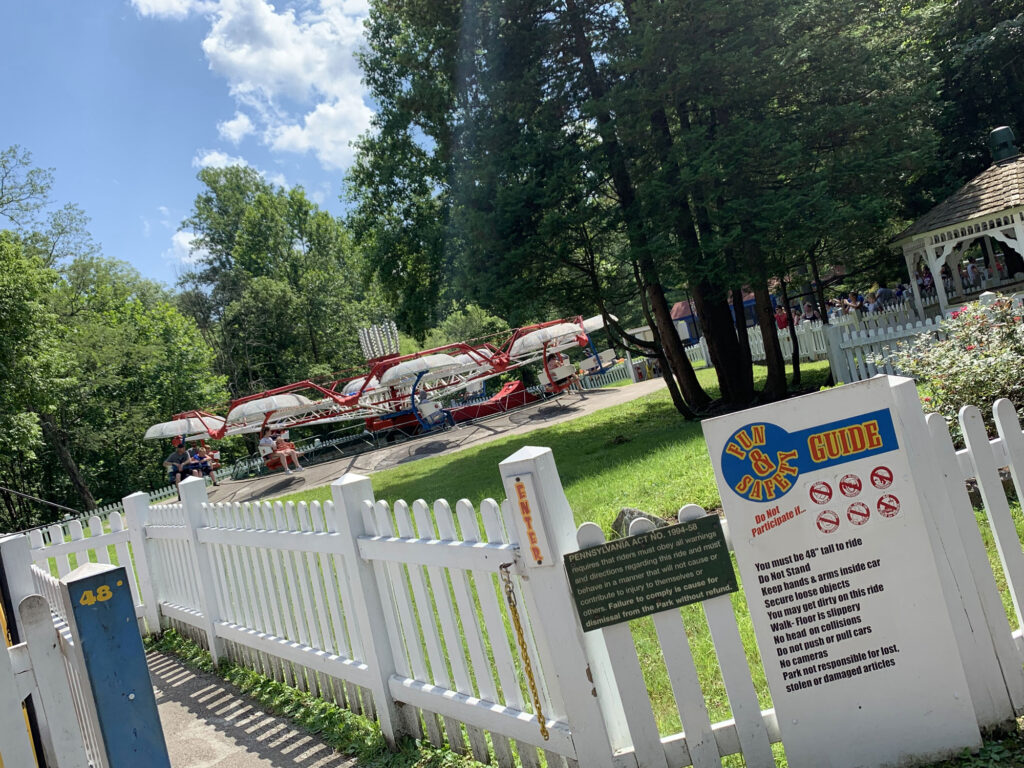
column 826, row 523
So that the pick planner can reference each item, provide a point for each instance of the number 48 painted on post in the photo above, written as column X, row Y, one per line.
column 102, row 594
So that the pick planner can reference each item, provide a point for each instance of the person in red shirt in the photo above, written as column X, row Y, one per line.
column 782, row 318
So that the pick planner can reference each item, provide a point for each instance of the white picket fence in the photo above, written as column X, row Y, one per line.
column 818, row 341
column 615, row 374
column 61, row 548
column 858, row 354
column 810, row 339
column 397, row 611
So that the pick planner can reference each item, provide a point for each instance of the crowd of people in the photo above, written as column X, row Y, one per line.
column 199, row 461
column 880, row 297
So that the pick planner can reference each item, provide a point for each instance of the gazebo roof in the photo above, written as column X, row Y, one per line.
column 998, row 188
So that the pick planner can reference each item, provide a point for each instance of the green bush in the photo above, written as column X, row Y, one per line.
column 979, row 360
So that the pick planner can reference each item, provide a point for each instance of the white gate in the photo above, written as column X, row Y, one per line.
column 35, row 689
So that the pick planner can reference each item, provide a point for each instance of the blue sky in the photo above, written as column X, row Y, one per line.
column 126, row 99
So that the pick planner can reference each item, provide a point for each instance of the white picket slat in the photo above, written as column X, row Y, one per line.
column 470, row 625
column 492, row 627
column 629, row 676
column 996, row 506
column 682, row 674
column 428, row 624
column 406, row 613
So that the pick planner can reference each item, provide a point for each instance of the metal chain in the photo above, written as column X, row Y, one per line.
column 510, row 596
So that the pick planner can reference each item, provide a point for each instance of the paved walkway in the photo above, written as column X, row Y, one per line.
column 569, row 406
column 208, row 724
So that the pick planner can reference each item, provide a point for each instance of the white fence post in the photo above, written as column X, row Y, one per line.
column 545, row 527
column 15, row 745
column 836, row 360
column 193, row 496
column 64, row 746
column 350, row 493
column 136, row 511
column 15, row 578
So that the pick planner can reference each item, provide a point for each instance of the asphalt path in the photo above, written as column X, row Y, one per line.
column 208, row 724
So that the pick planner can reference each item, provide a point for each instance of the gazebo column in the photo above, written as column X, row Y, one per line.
column 910, row 257
column 935, row 264
column 954, row 269
column 1018, row 230
column 991, row 259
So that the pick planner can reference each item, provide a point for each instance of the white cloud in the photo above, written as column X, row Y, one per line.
column 277, row 179
column 214, row 158
column 292, row 69
column 237, row 128
column 181, row 251
column 171, row 9
column 327, row 131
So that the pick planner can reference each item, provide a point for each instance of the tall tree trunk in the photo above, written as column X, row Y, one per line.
column 666, row 371
column 673, row 389
column 739, row 316
column 58, row 439
column 791, row 327
column 812, row 257
column 314, row 348
column 674, row 350
column 775, row 381
column 686, row 222
column 625, row 191
column 718, row 326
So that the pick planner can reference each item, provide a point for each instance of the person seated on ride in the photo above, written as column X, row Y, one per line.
column 272, row 458
column 286, row 450
column 179, row 465
column 201, row 458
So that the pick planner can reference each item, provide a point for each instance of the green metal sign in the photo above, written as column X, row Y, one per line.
column 652, row 572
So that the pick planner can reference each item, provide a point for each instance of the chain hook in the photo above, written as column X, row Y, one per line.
column 510, row 597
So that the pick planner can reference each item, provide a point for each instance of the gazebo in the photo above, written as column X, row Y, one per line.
column 990, row 209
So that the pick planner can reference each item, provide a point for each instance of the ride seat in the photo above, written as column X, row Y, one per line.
column 270, row 459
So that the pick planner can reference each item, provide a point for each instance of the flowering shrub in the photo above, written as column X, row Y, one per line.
column 980, row 360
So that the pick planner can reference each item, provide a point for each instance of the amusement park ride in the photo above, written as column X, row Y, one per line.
column 405, row 395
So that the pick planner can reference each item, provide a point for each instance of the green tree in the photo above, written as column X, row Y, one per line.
column 468, row 324
column 24, row 189
column 277, row 290
column 27, row 359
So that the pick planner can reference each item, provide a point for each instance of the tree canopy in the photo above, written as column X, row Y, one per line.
column 526, row 160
